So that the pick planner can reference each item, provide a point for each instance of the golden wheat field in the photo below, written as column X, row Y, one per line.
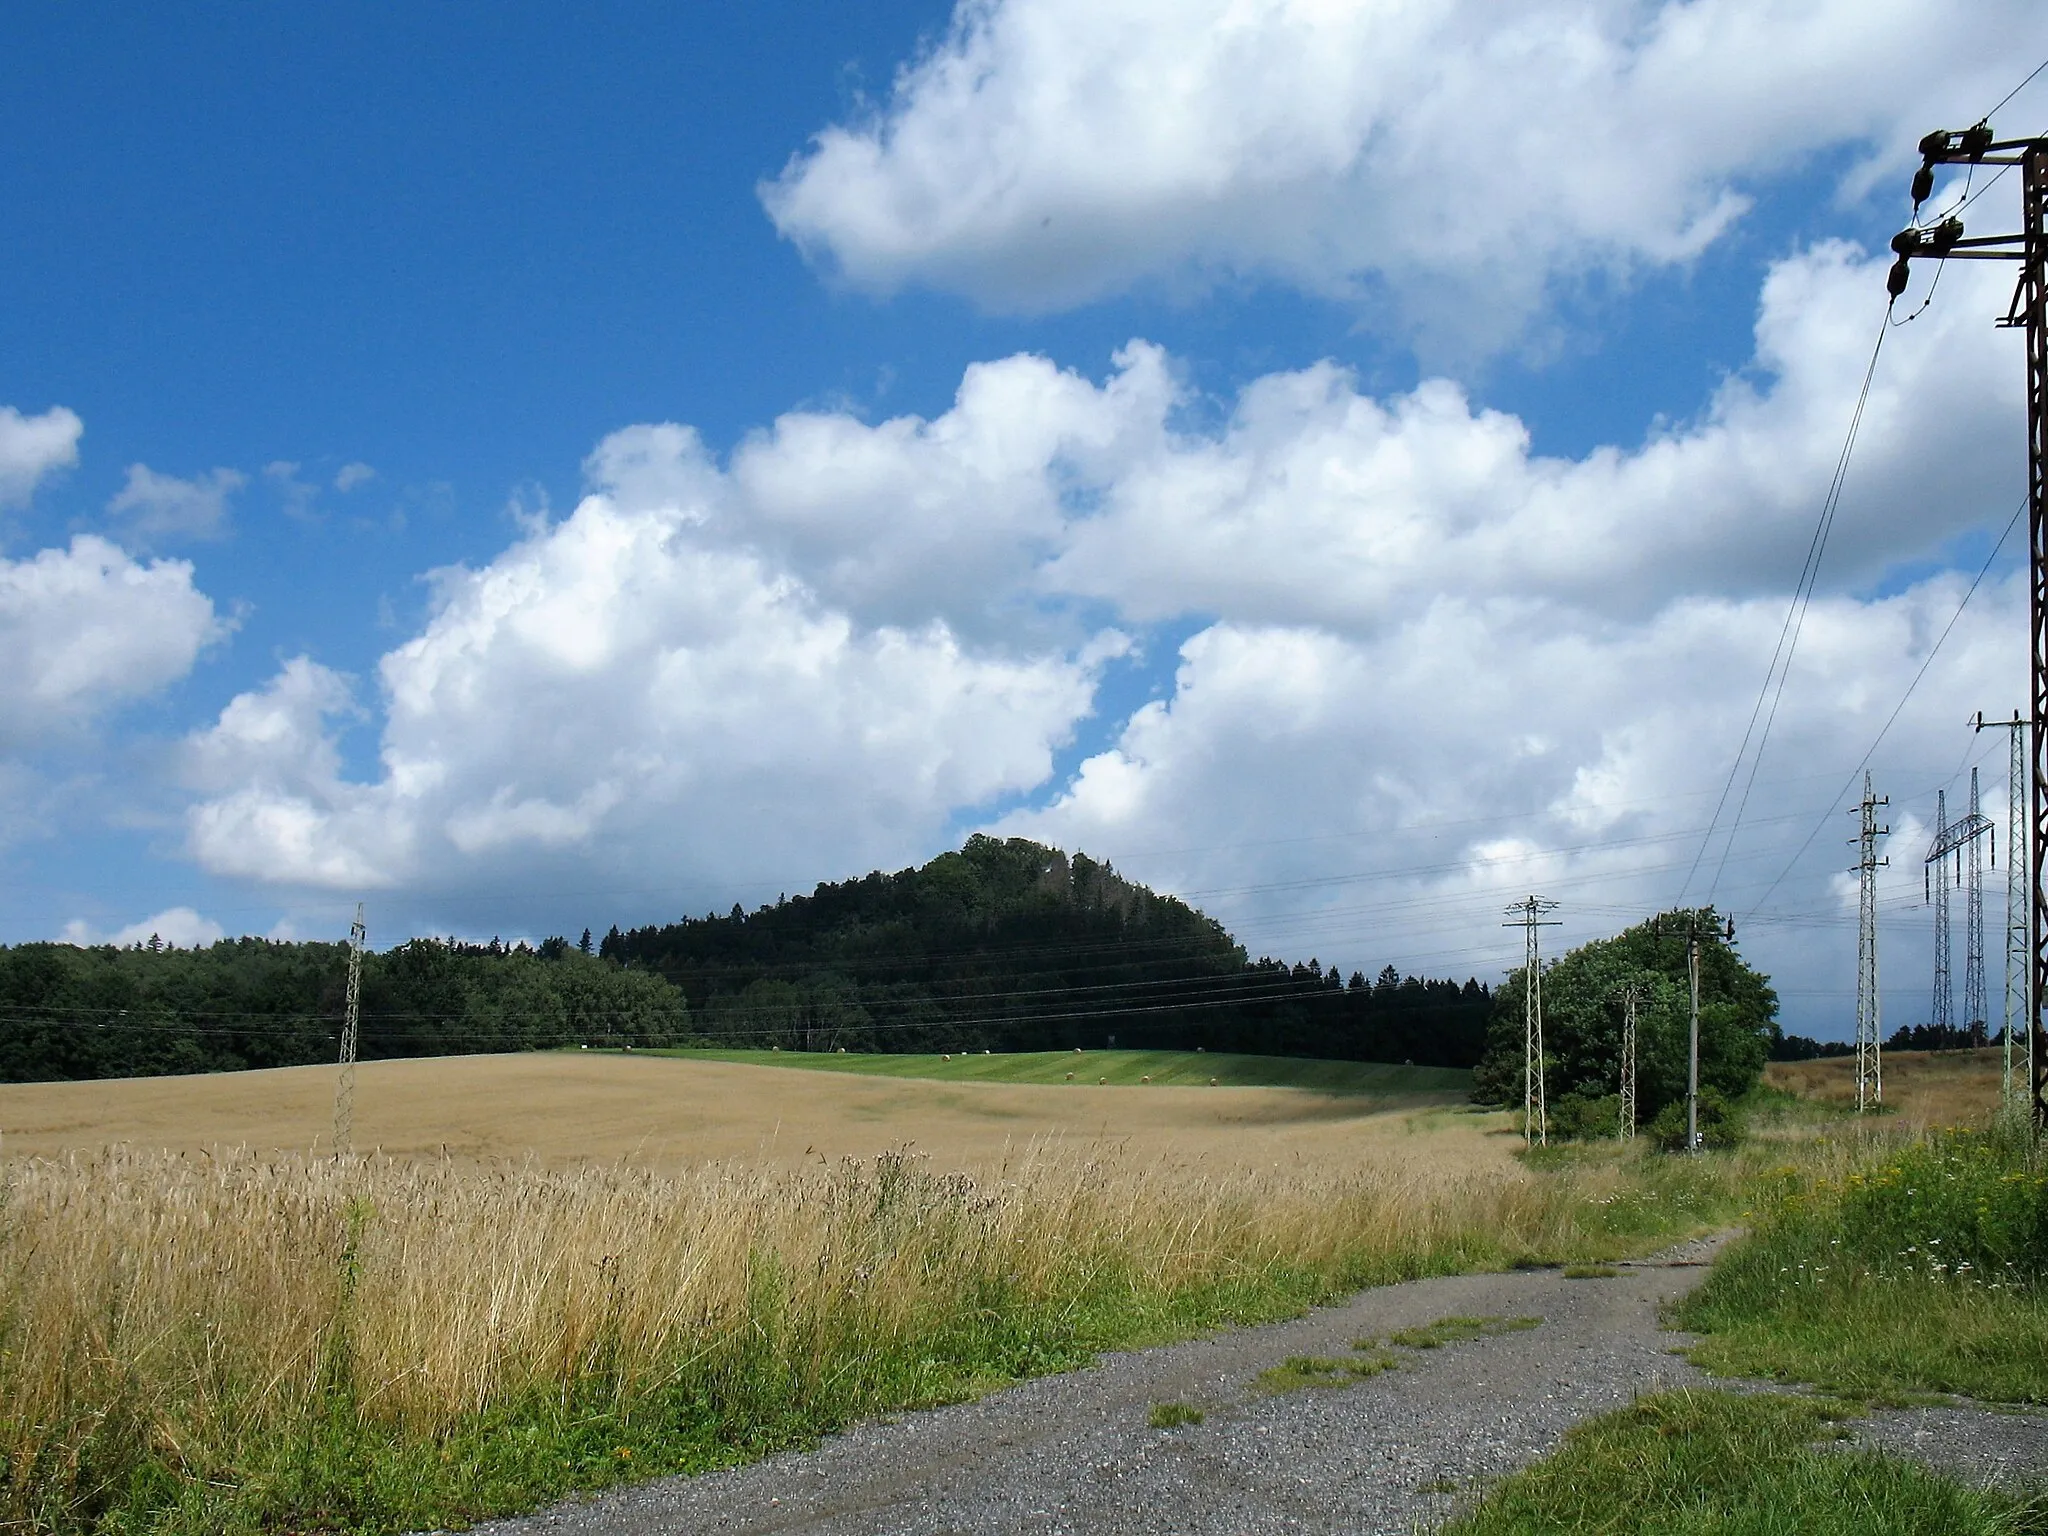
column 188, row 1278
column 660, row 1112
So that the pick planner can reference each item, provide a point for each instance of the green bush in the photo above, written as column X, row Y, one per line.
column 1583, row 1117
column 1720, row 1123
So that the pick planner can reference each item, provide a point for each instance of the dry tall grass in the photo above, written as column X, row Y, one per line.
column 173, row 1310
column 1922, row 1088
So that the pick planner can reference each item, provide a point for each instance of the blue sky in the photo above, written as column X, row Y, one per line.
column 363, row 289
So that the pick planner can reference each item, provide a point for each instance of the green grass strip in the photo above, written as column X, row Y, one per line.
column 1924, row 1271
column 1705, row 1463
column 1459, row 1330
column 1298, row 1371
column 1123, row 1069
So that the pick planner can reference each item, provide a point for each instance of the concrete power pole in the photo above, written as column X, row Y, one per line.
column 1696, row 933
column 2028, row 313
column 1869, row 1058
column 1535, row 1112
column 345, row 1084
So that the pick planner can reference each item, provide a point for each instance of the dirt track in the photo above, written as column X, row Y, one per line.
column 1075, row 1453
column 1393, row 1453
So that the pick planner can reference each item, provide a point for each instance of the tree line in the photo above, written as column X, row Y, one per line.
column 69, row 1012
column 1003, row 945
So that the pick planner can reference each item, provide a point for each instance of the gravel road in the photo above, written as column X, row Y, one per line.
column 1075, row 1453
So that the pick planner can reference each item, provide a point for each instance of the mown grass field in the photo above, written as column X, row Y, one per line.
column 1122, row 1069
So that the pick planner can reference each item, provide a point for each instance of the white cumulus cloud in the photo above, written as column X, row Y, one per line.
column 613, row 690
column 32, row 446
column 180, row 927
column 1425, row 668
column 1460, row 156
column 89, row 627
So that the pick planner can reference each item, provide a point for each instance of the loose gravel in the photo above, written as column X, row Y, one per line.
column 1392, row 1452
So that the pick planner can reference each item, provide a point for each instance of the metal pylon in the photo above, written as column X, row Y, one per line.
column 2019, row 1010
column 1869, row 1057
column 1952, row 839
column 345, row 1084
column 1630, row 997
column 1973, row 925
column 1943, row 1010
column 2028, row 313
column 1527, row 915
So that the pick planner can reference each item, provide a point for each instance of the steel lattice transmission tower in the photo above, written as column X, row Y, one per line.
column 1973, row 923
column 2028, row 312
column 2017, row 971
column 1527, row 915
column 1952, row 840
column 1631, row 998
column 1869, row 1052
column 345, row 1084
column 1935, row 874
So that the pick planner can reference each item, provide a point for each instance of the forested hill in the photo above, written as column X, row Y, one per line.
column 1004, row 945
column 1009, row 945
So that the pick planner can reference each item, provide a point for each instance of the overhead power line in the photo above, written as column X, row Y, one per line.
column 1773, row 689
column 1897, row 709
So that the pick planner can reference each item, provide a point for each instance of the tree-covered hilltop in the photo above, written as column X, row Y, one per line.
column 1583, row 1013
column 1004, row 945
column 1009, row 945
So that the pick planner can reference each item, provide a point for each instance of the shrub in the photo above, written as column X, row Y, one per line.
column 1582, row 1117
column 1720, row 1123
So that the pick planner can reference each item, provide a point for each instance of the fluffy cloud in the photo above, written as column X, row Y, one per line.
column 1048, row 152
column 910, row 517
column 1379, row 798
column 1318, row 503
column 152, row 508
column 89, row 627
column 1428, row 668
column 180, row 927
column 32, row 446
column 613, row 688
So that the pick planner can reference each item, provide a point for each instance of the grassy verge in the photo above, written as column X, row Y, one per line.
column 1918, row 1268
column 1121, row 1069
column 235, row 1345
column 1709, row 1462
